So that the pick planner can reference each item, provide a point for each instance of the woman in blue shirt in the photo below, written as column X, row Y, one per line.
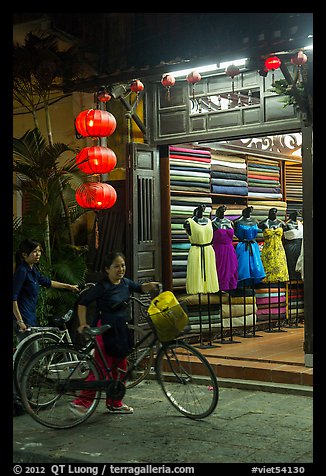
column 115, row 343
column 27, row 281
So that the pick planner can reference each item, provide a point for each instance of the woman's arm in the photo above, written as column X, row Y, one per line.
column 19, row 319
column 150, row 286
column 82, row 313
column 69, row 287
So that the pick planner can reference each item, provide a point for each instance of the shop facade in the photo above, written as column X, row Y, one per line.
column 250, row 124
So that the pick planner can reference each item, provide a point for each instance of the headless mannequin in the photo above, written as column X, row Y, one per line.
column 197, row 217
column 220, row 221
column 245, row 218
column 272, row 221
column 292, row 223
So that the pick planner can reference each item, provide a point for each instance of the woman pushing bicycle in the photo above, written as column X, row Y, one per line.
column 115, row 343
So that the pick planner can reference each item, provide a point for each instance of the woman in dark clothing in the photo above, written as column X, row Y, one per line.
column 115, row 343
column 26, row 283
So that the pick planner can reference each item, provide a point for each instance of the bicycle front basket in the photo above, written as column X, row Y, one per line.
column 168, row 316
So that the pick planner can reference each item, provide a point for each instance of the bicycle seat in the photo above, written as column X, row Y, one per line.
column 96, row 331
column 60, row 320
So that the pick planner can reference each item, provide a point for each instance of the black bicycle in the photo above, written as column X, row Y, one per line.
column 56, row 375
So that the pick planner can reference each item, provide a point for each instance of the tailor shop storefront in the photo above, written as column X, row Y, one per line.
column 201, row 128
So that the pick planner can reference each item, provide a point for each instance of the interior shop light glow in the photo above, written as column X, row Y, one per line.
column 200, row 69
column 208, row 68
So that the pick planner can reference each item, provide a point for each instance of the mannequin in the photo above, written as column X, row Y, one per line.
column 197, row 217
column 245, row 218
column 292, row 223
column 201, row 266
column 250, row 267
column 293, row 236
column 226, row 259
column 273, row 253
column 220, row 221
column 272, row 221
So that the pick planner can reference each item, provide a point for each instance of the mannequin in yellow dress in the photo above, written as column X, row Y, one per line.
column 201, row 265
column 273, row 253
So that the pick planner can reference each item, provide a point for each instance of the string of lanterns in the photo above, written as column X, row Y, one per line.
column 95, row 160
column 271, row 63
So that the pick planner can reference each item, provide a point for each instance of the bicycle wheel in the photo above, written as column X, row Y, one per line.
column 141, row 358
column 29, row 347
column 187, row 379
column 52, row 380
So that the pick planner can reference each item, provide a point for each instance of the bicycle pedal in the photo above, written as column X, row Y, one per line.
column 121, row 370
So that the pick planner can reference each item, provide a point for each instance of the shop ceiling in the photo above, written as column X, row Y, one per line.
column 122, row 46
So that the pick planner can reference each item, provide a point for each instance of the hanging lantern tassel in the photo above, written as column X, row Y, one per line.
column 167, row 81
column 193, row 78
column 97, row 233
column 232, row 71
column 299, row 59
column 136, row 86
column 271, row 64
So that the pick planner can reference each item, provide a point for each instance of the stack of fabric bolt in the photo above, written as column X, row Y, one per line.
column 295, row 301
column 271, row 301
column 228, row 175
column 263, row 179
column 240, row 307
column 189, row 174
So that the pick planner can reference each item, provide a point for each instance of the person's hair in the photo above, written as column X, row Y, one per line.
column 108, row 260
column 26, row 246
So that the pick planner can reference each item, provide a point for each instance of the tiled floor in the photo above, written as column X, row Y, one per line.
column 270, row 357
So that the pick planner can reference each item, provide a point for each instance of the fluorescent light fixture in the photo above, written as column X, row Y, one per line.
column 201, row 69
column 208, row 68
column 239, row 62
column 309, row 47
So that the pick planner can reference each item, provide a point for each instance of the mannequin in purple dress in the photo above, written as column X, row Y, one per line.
column 226, row 259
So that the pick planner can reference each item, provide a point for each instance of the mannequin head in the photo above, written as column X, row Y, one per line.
column 272, row 213
column 293, row 215
column 198, row 212
column 246, row 212
column 219, row 213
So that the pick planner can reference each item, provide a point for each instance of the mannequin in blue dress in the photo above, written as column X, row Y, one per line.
column 250, row 267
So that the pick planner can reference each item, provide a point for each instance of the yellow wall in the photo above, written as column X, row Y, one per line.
column 63, row 111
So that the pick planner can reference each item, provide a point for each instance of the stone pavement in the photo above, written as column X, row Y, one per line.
column 248, row 426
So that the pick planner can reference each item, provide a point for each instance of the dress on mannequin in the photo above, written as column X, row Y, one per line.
column 201, row 265
column 273, row 254
column 226, row 259
column 250, row 267
column 293, row 235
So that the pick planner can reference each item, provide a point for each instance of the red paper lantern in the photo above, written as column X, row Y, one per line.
column 96, row 195
column 103, row 96
column 272, row 63
column 167, row 81
column 95, row 123
column 193, row 78
column 232, row 71
column 299, row 59
column 96, row 160
column 136, row 86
